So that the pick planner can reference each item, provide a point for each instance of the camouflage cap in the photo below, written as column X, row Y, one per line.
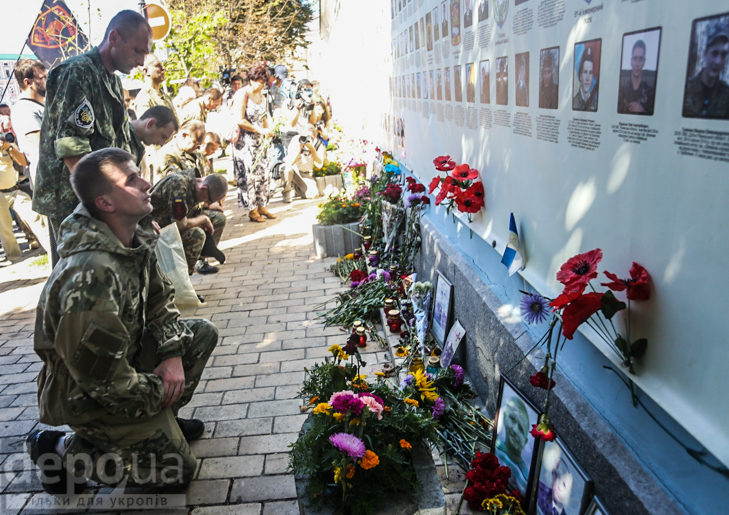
column 718, row 31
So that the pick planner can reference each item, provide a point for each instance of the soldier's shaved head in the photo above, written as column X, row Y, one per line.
column 217, row 186
column 89, row 179
column 127, row 23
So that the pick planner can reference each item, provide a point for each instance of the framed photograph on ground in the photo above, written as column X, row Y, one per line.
column 561, row 486
column 455, row 336
column 513, row 444
column 442, row 309
column 596, row 508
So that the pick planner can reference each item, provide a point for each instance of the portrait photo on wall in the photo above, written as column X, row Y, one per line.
column 502, row 81
column 457, row 84
column 410, row 32
column 586, row 82
column 455, row 22
column 436, row 25
column 418, row 80
column 467, row 13
column 562, row 486
column 432, row 85
column 442, row 309
column 483, row 10
column 425, row 86
column 639, row 71
column 513, row 445
column 439, row 84
column 429, row 32
column 470, row 83
column 422, row 31
column 447, row 84
column 522, row 79
column 444, row 20
column 485, row 67
column 706, row 94
column 549, row 78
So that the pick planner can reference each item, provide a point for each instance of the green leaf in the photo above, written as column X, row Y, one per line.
column 621, row 344
column 611, row 305
column 638, row 347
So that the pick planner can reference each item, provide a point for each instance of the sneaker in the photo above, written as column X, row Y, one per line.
column 56, row 480
column 192, row 428
column 206, row 268
column 33, row 245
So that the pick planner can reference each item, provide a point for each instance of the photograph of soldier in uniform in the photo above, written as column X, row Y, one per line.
column 522, row 81
column 467, row 14
column 485, row 67
column 447, row 71
column 707, row 79
column 483, row 10
column 586, row 82
column 549, row 78
column 429, row 32
column 638, row 72
column 502, row 81
column 444, row 23
column 563, row 487
column 457, row 84
column 439, row 87
column 470, row 83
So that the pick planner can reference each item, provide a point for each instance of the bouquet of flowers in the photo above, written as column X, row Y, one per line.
column 459, row 189
column 486, row 488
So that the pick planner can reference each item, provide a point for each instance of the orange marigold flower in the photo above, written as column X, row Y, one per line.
column 350, row 471
column 314, row 399
column 412, row 402
column 387, row 408
column 405, row 445
column 369, row 460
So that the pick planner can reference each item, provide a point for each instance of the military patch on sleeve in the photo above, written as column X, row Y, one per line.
column 179, row 209
column 84, row 115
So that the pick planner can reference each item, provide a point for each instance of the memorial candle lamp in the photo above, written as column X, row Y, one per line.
column 358, row 253
column 433, row 365
column 360, row 331
column 416, row 365
column 394, row 323
column 374, row 258
column 367, row 243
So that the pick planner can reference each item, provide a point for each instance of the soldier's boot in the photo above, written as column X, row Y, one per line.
column 203, row 267
column 56, row 480
column 192, row 428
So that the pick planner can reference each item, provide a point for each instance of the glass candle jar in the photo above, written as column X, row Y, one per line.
column 416, row 365
column 358, row 253
column 361, row 336
column 394, row 323
column 367, row 243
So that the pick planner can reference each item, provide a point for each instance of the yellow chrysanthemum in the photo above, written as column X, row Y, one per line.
column 322, row 409
column 425, row 386
column 338, row 416
column 380, row 374
column 405, row 445
column 369, row 460
column 401, row 352
column 491, row 504
column 412, row 402
column 349, row 256
column 359, row 377
column 342, row 356
column 350, row 471
column 335, row 349
column 337, row 475
column 354, row 422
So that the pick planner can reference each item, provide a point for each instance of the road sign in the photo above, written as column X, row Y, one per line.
column 159, row 20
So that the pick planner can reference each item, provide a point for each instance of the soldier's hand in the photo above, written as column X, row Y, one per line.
column 173, row 380
column 207, row 225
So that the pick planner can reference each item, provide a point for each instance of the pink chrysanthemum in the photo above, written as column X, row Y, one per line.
column 349, row 444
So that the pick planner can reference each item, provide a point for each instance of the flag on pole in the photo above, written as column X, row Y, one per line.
column 56, row 36
column 512, row 255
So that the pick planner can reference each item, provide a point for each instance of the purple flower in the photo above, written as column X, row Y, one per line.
column 438, row 408
column 372, row 276
column 344, row 403
column 457, row 376
column 407, row 381
column 349, row 444
column 374, row 179
column 368, row 394
column 354, row 284
column 385, row 275
column 413, row 200
column 535, row 308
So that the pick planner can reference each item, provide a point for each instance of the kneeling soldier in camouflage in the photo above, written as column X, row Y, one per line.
column 119, row 362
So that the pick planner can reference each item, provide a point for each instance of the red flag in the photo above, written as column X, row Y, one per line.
column 55, row 35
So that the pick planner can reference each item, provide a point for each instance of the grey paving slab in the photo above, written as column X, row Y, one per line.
column 263, row 488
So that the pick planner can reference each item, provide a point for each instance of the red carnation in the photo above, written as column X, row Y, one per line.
column 580, row 269
column 417, row 188
column 544, row 429
column 433, row 184
column 425, row 199
column 467, row 204
column 578, row 312
column 541, row 380
column 464, row 173
column 638, row 285
column 410, row 180
column 444, row 163
column 357, row 275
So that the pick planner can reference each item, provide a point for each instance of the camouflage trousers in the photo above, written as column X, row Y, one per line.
column 149, row 451
column 194, row 239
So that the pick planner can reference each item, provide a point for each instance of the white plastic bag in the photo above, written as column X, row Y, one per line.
column 171, row 257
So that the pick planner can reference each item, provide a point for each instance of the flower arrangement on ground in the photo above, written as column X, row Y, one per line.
column 459, row 189
column 339, row 209
column 486, row 487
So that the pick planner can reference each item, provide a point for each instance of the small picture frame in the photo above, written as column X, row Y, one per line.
column 560, row 484
column 442, row 309
column 455, row 335
column 512, row 444
column 596, row 508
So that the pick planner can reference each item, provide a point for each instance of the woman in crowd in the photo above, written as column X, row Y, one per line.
column 250, row 151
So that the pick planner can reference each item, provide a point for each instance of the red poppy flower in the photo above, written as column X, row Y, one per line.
column 578, row 312
column 425, row 199
column 449, row 184
column 440, row 197
column 541, row 380
column 566, row 297
column 544, row 430
column 464, row 173
column 638, row 285
column 418, row 188
column 444, row 163
column 476, row 190
column 468, row 204
column 580, row 269
column 433, row 184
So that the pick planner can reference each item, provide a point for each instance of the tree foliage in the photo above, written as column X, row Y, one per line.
column 209, row 34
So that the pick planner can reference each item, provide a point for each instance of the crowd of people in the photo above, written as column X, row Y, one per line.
column 107, row 171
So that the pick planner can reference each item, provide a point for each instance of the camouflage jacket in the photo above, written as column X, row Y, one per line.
column 85, row 111
column 150, row 97
column 174, row 198
column 175, row 160
column 702, row 102
column 194, row 110
column 98, row 301
column 136, row 146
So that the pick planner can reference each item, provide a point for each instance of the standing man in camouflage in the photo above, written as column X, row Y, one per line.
column 118, row 362
column 179, row 198
column 85, row 111
column 152, row 93
column 198, row 109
